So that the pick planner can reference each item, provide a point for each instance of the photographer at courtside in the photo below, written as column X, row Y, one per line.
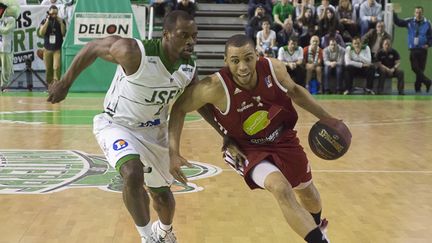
column 52, row 29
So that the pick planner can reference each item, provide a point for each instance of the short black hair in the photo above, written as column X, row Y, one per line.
column 53, row 7
column 293, row 38
column 419, row 7
column 171, row 19
column 238, row 41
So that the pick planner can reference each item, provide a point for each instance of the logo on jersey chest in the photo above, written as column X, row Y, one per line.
column 244, row 106
column 163, row 96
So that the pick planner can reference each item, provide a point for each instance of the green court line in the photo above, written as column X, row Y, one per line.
column 64, row 117
column 422, row 96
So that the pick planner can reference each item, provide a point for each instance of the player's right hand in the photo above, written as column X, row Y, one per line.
column 176, row 161
column 232, row 147
column 57, row 91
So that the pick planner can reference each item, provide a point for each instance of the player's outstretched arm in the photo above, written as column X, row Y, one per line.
column 114, row 49
column 297, row 93
column 193, row 98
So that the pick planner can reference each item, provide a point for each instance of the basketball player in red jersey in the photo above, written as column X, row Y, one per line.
column 250, row 100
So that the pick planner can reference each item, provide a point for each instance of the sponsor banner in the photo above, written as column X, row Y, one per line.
column 89, row 26
column 26, row 40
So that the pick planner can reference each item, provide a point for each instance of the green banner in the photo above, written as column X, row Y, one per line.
column 92, row 20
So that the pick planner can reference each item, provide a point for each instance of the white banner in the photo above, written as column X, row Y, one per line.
column 89, row 26
column 26, row 41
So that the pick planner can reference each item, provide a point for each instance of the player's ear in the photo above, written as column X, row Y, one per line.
column 225, row 60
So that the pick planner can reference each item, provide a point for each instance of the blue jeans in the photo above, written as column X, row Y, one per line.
column 327, row 71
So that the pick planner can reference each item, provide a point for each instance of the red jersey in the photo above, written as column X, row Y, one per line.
column 255, row 116
column 261, row 121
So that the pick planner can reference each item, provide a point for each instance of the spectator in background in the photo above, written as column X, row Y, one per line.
column 388, row 66
column 292, row 56
column 301, row 7
column 254, row 24
column 281, row 11
column 286, row 33
column 186, row 5
column 374, row 38
column 52, row 29
column 313, row 58
column 306, row 26
column 254, row 4
column 356, row 9
column 325, row 40
column 320, row 11
column 162, row 7
column 329, row 23
column 346, row 18
column 334, row 56
column 266, row 40
column 370, row 14
column 358, row 62
column 7, row 27
column 419, row 40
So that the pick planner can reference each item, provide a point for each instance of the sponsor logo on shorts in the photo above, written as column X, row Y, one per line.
column 119, row 144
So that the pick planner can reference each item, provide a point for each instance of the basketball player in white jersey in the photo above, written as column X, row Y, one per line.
column 132, row 131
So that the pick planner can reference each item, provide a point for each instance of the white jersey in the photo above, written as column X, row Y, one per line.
column 142, row 99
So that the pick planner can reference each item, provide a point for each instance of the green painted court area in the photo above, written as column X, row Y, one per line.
column 63, row 116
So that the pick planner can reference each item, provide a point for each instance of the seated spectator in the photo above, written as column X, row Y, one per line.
column 370, row 14
column 356, row 9
column 313, row 58
column 187, row 6
column 292, row 56
column 266, row 40
column 325, row 40
column 346, row 18
column 358, row 62
column 374, row 38
column 161, row 7
column 306, row 27
column 320, row 11
column 253, row 4
column 329, row 23
column 334, row 56
column 388, row 66
column 254, row 24
column 301, row 7
column 286, row 33
column 281, row 11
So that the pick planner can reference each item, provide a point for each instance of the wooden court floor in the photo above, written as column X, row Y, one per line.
column 380, row 191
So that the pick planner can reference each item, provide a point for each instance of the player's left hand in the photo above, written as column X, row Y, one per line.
column 176, row 161
column 232, row 147
column 57, row 91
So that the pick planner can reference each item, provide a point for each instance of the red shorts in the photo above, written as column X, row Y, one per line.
column 286, row 154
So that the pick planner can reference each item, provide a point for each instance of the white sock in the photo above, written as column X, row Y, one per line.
column 164, row 226
column 144, row 231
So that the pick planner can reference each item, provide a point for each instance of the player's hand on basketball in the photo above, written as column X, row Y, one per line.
column 232, row 147
column 57, row 91
column 176, row 161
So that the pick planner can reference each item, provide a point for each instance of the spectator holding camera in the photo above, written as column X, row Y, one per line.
column 52, row 29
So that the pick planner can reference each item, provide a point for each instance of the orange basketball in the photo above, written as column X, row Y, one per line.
column 329, row 139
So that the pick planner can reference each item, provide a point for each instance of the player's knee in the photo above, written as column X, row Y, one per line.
column 162, row 195
column 281, row 189
column 132, row 173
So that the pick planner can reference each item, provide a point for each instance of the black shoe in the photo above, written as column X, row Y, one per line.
column 428, row 85
column 401, row 93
